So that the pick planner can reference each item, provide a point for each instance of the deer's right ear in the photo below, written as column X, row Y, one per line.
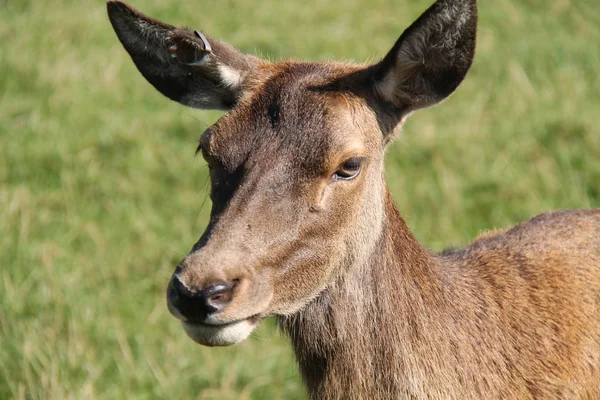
column 182, row 64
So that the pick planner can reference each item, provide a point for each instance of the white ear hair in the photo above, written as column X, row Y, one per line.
column 231, row 78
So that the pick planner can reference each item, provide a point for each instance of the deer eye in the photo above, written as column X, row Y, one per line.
column 349, row 169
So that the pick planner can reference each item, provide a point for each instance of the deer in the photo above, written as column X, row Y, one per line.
column 303, row 228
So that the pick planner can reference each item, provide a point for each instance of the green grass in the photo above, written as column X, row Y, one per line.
column 101, row 195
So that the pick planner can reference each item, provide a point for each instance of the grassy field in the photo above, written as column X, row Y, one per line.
column 101, row 195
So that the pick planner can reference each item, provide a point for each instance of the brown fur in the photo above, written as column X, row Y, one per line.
column 514, row 316
column 489, row 234
column 370, row 312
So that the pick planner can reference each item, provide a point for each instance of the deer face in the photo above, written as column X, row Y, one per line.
column 296, row 165
column 292, row 168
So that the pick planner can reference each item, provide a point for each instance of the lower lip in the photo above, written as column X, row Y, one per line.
column 220, row 335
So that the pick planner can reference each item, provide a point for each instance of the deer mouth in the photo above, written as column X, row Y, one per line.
column 221, row 334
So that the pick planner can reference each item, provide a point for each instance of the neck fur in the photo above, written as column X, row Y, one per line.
column 347, row 339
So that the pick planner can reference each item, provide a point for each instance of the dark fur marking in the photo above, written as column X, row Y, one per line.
column 273, row 112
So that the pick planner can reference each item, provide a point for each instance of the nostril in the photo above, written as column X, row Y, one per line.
column 196, row 305
column 216, row 290
column 219, row 295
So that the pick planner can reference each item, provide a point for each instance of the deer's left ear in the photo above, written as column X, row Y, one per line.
column 430, row 59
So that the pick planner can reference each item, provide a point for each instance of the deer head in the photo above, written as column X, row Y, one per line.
column 296, row 164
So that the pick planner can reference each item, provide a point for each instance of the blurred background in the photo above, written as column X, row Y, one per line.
column 101, row 194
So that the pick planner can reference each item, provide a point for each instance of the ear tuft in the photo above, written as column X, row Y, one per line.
column 431, row 58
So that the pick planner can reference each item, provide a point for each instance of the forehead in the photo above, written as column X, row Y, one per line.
column 293, row 113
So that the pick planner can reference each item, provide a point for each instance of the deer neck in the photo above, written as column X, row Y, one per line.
column 346, row 338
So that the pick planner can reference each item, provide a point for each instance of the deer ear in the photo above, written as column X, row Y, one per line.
column 431, row 58
column 182, row 64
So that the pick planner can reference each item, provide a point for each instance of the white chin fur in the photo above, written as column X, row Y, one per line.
column 224, row 335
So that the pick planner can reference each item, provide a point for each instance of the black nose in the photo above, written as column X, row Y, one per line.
column 196, row 305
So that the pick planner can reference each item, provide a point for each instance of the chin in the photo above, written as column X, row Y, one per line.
column 220, row 335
